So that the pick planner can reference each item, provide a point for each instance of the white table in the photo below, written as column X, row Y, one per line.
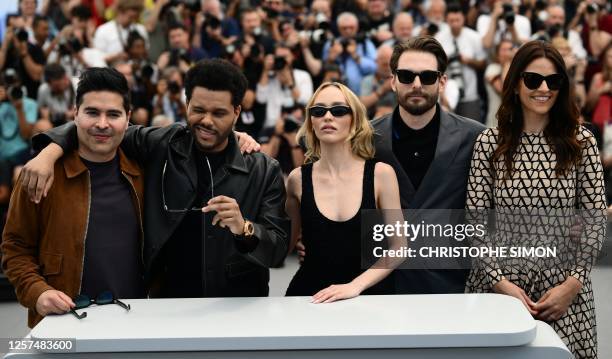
column 406, row 326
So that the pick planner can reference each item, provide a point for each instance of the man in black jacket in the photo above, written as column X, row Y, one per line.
column 214, row 218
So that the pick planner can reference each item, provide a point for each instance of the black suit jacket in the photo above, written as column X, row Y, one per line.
column 444, row 187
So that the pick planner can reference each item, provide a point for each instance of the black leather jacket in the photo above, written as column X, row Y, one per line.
column 231, row 267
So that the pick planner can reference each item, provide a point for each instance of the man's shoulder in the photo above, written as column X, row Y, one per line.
column 260, row 160
column 473, row 127
column 381, row 120
column 105, row 28
column 44, row 90
column 470, row 34
column 304, row 75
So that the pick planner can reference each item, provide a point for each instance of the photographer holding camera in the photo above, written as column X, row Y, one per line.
column 376, row 92
column 503, row 22
column 56, row 96
column 466, row 56
column 280, row 85
column 170, row 100
column 253, row 34
column 555, row 27
column 111, row 37
column 596, row 23
column 280, row 142
column 213, row 30
column 434, row 13
column 378, row 21
column 403, row 26
column 317, row 31
column 271, row 12
column 18, row 114
column 355, row 54
column 71, row 47
column 17, row 53
column 181, row 53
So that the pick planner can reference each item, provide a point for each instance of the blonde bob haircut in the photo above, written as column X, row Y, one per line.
column 361, row 134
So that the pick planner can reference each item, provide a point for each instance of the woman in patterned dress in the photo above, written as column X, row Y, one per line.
column 539, row 157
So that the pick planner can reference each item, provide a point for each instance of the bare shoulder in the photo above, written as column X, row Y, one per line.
column 384, row 176
column 384, row 171
column 294, row 182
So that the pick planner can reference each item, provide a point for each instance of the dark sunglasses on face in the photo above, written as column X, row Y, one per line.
column 427, row 77
column 533, row 81
column 336, row 111
column 83, row 301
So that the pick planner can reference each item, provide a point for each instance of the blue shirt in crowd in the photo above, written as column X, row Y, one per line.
column 11, row 142
column 354, row 72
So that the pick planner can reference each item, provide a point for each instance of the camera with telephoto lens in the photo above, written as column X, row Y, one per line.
column 178, row 54
column 359, row 39
column 211, row 21
column 15, row 93
column 432, row 29
column 174, row 88
column 320, row 34
column 592, row 8
column 344, row 42
column 70, row 47
column 279, row 63
column 292, row 123
column 271, row 13
column 147, row 71
column 508, row 14
column 143, row 70
column 22, row 35
column 455, row 72
column 322, row 21
column 13, row 87
column 230, row 49
column 554, row 31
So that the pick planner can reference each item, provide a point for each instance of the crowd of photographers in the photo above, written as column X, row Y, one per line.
column 286, row 49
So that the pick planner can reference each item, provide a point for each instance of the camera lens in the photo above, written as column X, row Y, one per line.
column 22, row 35
column 279, row 63
column 591, row 8
column 174, row 87
column 16, row 93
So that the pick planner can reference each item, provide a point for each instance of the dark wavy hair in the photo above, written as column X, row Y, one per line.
column 562, row 127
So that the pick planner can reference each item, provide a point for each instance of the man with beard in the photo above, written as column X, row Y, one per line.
column 85, row 237
column 430, row 150
column 215, row 219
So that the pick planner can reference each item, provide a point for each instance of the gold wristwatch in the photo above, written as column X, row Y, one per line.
column 248, row 230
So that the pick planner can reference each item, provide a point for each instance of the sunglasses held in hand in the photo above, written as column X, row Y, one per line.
column 83, row 301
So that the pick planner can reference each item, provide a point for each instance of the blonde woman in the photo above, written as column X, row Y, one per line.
column 325, row 197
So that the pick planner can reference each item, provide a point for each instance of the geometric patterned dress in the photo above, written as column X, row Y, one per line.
column 534, row 184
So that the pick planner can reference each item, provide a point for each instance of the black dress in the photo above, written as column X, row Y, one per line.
column 333, row 249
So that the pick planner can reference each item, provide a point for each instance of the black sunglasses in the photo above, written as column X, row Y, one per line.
column 427, row 77
column 184, row 210
column 83, row 301
column 533, row 80
column 336, row 111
